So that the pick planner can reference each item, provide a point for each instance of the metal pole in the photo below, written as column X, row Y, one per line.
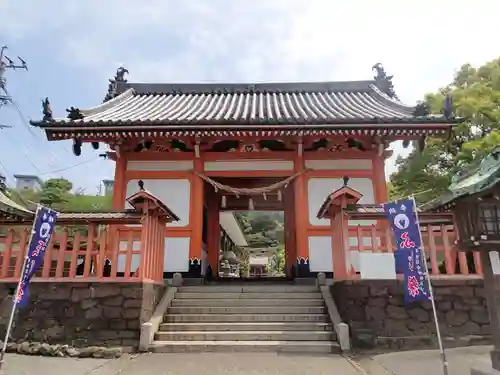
column 431, row 292
column 14, row 304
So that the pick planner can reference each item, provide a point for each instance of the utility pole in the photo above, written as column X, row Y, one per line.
column 7, row 63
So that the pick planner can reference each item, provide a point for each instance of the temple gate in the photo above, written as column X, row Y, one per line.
column 207, row 148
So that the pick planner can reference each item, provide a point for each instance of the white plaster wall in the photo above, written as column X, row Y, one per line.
column 319, row 188
column 160, row 165
column 320, row 254
column 175, row 193
column 249, row 165
column 176, row 254
column 341, row 164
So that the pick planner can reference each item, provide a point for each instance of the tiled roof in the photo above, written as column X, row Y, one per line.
column 9, row 208
column 479, row 179
column 246, row 104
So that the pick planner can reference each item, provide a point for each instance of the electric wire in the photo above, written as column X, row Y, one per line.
column 30, row 130
column 70, row 167
column 24, row 153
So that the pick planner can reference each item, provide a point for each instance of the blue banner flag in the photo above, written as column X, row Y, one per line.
column 402, row 217
column 43, row 227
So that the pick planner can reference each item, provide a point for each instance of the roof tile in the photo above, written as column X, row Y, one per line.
column 285, row 103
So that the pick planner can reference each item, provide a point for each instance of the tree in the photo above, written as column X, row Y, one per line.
column 262, row 229
column 277, row 264
column 55, row 192
column 475, row 93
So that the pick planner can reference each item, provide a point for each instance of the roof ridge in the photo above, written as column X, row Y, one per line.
column 214, row 87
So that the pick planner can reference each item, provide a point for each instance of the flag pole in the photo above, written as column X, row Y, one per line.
column 431, row 292
column 14, row 302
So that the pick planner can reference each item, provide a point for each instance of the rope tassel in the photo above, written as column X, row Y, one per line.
column 279, row 195
column 223, row 202
column 251, row 206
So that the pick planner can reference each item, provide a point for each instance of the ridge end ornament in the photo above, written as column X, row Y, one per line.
column 47, row 110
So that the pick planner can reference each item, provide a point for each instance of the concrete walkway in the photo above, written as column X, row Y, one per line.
column 183, row 364
column 460, row 361
column 402, row 363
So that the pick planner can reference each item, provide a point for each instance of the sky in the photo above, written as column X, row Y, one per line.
column 73, row 47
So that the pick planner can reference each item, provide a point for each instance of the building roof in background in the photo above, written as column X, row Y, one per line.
column 475, row 179
column 12, row 210
column 29, row 177
column 231, row 226
column 259, row 261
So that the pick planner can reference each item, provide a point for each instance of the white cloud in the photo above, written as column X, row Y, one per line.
column 421, row 43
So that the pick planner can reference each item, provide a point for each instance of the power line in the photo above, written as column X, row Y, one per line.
column 30, row 130
column 7, row 63
column 25, row 156
column 21, row 115
column 70, row 167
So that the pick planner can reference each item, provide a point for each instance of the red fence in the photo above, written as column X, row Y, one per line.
column 438, row 236
column 96, row 254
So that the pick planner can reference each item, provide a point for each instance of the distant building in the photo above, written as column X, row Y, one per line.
column 108, row 186
column 28, row 182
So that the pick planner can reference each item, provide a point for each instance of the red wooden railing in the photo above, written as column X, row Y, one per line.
column 438, row 237
column 103, row 254
column 108, row 253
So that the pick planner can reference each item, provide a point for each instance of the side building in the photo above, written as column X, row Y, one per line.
column 28, row 182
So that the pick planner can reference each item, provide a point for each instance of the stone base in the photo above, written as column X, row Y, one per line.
column 81, row 314
column 375, row 309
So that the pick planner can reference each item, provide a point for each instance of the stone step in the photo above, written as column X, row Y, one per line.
column 247, row 302
column 247, row 310
column 245, row 346
column 240, row 295
column 246, row 336
column 232, row 318
column 247, row 326
column 249, row 289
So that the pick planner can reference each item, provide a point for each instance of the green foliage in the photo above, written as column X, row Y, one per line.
column 56, row 193
column 276, row 266
column 476, row 97
column 262, row 229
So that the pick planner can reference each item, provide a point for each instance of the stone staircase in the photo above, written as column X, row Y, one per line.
column 247, row 318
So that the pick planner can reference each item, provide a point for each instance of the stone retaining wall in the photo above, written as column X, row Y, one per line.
column 377, row 315
column 81, row 314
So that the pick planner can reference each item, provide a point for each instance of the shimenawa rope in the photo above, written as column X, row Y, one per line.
column 251, row 191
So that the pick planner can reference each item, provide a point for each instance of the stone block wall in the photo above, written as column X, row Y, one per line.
column 377, row 315
column 81, row 314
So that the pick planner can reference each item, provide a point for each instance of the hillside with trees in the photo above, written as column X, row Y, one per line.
column 264, row 229
column 57, row 193
column 475, row 93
